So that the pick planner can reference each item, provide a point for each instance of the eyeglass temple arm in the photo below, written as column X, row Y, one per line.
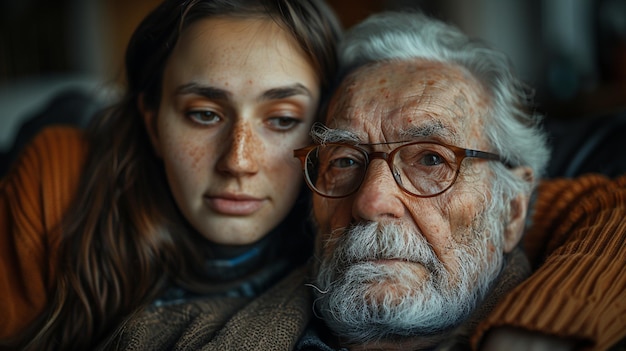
column 488, row 156
column 302, row 153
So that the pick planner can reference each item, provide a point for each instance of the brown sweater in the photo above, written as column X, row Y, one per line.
column 578, row 291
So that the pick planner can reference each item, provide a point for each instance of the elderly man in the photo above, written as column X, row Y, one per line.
column 422, row 177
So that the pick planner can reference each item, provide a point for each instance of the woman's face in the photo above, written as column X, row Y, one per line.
column 238, row 97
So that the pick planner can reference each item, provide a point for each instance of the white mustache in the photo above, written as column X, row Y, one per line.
column 375, row 241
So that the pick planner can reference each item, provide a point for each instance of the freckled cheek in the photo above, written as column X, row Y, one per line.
column 197, row 154
column 261, row 154
column 187, row 155
column 269, row 149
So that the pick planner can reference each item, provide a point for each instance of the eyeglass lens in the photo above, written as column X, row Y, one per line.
column 422, row 169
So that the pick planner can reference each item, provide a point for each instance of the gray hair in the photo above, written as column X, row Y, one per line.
column 512, row 129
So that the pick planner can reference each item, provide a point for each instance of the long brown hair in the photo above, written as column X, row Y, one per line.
column 124, row 239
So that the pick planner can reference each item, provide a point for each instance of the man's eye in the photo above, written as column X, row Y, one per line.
column 343, row 162
column 432, row 160
column 204, row 117
column 283, row 123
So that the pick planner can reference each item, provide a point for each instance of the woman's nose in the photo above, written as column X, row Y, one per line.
column 240, row 156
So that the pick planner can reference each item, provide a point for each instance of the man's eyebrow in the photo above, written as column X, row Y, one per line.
column 285, row 92
column 428, row 130
column 203, row 90
column 321, row 134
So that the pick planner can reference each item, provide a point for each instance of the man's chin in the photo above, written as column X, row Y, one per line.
column 398, row 279
column 372, row 300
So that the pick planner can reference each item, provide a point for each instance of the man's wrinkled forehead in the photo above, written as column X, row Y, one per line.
column 389, row 100
column 427, row 130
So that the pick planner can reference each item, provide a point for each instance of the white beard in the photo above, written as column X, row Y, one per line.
column 364, row 301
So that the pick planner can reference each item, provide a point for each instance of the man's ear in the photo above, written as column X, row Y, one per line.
column 514, row 228
column 149, row 116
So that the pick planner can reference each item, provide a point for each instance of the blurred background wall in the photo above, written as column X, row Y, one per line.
column 572, row 51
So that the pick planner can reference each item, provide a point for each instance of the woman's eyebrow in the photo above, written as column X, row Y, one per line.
column 285, row 92
column 207, row 91
column 214, row 93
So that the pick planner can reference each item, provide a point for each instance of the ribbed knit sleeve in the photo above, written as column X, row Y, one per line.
column 578, row 243
column 33, row 197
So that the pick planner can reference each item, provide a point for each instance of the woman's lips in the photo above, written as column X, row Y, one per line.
column 234, row 205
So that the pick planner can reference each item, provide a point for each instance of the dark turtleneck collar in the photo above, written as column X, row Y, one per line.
column 245, row 271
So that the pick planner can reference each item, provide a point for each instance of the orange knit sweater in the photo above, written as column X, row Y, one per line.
column 578, row 291
column 578, row 246
column 33, row 197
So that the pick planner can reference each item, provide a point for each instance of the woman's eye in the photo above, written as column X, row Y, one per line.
column 283, row 123
column 204, row 117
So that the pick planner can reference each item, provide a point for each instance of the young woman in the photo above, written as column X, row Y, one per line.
column 186, row 189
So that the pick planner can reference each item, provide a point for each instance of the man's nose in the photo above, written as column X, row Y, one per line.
column 240, row 156
column 378, row 196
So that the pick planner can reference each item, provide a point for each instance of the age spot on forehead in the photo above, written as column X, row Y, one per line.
column 384, row 92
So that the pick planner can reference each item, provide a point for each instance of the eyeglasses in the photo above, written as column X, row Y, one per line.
column 423, row 169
